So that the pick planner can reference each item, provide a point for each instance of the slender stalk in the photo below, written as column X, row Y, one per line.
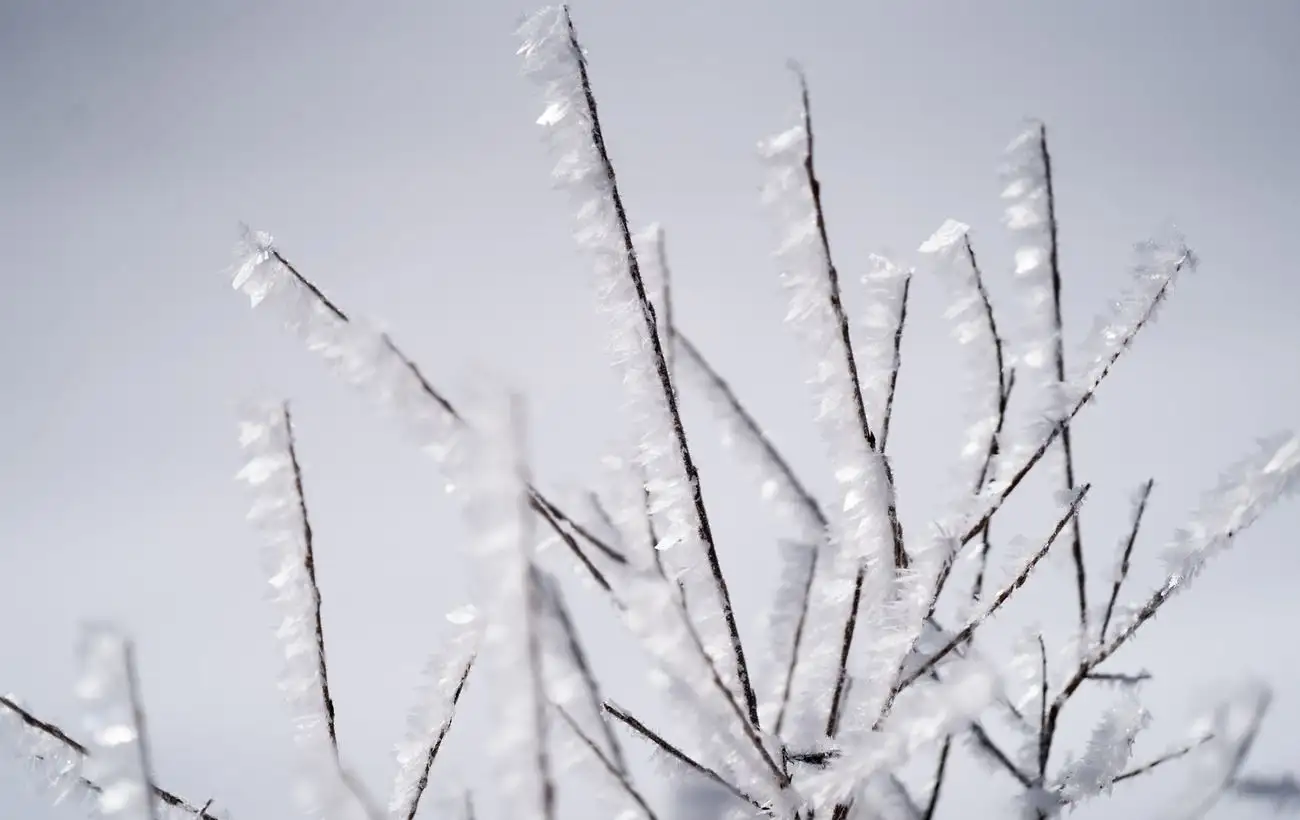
column 1058, row 361
column 434, row 748
column 1167, row 757
column 622, row 716
column 550, row 513
column 616, row 769
column 1143, row 495
column 1079, row 404
column 309, row 565
column 704, row 531
column 1016, row 583
column 591, row 687
column 941, row 769
column 895, row 365
column 841, row 319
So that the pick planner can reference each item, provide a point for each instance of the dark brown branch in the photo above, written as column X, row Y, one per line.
column 777, row 462
column 941, row 769
column 1143, row 495
column 796, row 643
column 616, row 769
column 846, row 645
column 1042, row 705
column 439, row 736
column 895, row 364
column 1003, row 759
column 544, row 509
column 622, row 716
column 1104, row 651
column 704, row 531
column 1058, row 361
column 309, row 565
column 539, row 501
column 75, row 748
column 554, row 599
column 1001, row 598
column 1167, row 757
column 1006, row 382
column 1078, row 405
column 753, row 429
column 841, row 319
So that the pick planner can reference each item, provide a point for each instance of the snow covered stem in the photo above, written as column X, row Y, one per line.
column 998, row 600
column 553, row 47
column 1097, row 377
column 279, row 511
column 1033, row 211
column 379, row 366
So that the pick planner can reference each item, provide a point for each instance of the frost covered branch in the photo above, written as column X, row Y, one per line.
column 553, row 56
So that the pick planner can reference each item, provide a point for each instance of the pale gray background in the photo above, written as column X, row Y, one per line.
column 390, row 147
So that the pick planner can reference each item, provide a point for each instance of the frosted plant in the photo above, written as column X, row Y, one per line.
column 875, row 669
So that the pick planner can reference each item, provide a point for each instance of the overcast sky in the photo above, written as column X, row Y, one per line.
column 391, row 149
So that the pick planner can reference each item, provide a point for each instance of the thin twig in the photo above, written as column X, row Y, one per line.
column 1138, row 512
column 78, row 750
column 1058, row 361
column 1167, row 757
column 704, row 531
column 440, row 735
column 1001, row 598
column 309, row 565
column 1043, row 446
column 940, row 770
column 774, row 459
column 994, row 751
column 540, row 503
column 573, row 644
column 622, row 716
column 616, row 769
column 841, row 319
column 1042, row 705
column 895, row 364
